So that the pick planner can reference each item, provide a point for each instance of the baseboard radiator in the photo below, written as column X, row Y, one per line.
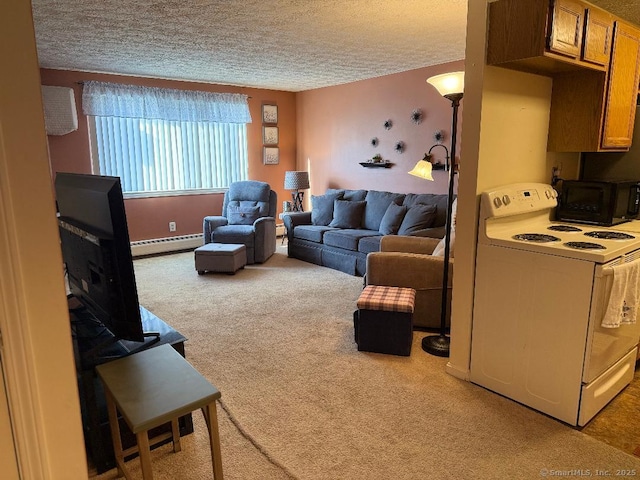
column 164, row 245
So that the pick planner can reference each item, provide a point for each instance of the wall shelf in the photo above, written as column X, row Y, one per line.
column 376, row 164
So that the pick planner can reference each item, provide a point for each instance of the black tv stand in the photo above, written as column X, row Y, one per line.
column 93, row 345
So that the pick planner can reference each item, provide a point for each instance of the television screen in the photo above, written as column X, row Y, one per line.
column 96, row 251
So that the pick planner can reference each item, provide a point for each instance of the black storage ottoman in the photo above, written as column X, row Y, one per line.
column 383, row 322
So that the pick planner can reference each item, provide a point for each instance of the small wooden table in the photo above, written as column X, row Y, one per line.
column 155, row 387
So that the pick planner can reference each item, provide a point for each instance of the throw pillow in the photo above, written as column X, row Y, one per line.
column 439, row 250
column 347, row 214
column 392, row 219
column 238, row 215
column 322, row 208
column 418, row 217
column 377, row 203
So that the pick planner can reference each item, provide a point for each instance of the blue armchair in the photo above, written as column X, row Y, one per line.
column 248, row 218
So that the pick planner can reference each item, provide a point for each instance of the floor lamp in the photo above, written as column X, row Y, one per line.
column 451, row 86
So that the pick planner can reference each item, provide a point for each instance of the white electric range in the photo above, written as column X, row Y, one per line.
column 541, row 290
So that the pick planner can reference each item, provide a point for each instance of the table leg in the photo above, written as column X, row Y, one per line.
column 211, row 419
column 145, row 454
column 175, row 430
column 115, row 431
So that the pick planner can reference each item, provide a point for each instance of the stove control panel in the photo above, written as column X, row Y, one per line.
column 518, row 198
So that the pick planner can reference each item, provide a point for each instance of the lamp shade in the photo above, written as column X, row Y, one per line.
column 423, row 170
column 296, row 180
column 448, row 83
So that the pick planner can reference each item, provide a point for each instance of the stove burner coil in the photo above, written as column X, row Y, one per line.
column 535, row 237
column 584, row 246
column 564, row 228
column 607, row 235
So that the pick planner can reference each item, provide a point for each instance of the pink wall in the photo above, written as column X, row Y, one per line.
column 329, row 128
column 150, row 217
column 336, row 124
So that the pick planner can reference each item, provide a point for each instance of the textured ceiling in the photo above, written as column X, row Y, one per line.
column 627, row 9
column 289, row 45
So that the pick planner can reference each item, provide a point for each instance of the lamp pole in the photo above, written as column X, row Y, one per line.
column 439, row 344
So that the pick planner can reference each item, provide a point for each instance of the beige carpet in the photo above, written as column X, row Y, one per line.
column 303, row 403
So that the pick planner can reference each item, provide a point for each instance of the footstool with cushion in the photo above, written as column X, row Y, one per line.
column 383, row 322
column 220, row 257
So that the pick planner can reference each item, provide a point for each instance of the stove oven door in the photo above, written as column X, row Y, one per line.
column 610, row 353
column 606, row 346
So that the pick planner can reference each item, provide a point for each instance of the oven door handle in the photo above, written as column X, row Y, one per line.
column 628, row 258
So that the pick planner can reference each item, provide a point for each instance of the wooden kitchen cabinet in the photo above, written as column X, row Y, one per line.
column 622, row 88
column 598, row 33
column 593, row 57
column 595, row 111
column 567, row 20
column 548, row 36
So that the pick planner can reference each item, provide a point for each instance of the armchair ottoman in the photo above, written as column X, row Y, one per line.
column 220, row 257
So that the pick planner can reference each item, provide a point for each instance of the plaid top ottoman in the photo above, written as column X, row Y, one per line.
column 388, row 299
column 383, row 322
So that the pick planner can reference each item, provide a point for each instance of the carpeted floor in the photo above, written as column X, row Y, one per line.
column 299, row 401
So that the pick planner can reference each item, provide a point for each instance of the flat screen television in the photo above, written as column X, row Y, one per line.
column 97, row 253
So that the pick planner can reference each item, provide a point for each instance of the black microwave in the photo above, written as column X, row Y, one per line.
column 598, row 202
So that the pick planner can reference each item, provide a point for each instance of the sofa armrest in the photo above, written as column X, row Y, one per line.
column 265, row 220
column 398, row 269
column 291, row 219
column 210, row 223
column 265, row 238
column 408, row 244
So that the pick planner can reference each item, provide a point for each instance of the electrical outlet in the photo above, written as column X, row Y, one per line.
column 172, row 226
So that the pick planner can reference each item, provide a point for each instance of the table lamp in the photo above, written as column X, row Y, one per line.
column 296, row 181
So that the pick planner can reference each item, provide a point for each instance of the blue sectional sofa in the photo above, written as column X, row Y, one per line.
column 344, row 226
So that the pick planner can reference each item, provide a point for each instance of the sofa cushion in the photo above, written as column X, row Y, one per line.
column 347, row 239
column 369, row 244
column 418, row 217
column 249, row 193
column 352, row 195
column 244, row 234
column 322, row 208
column 377, row 204
column 313, row 233
column 392, row 219
column 243, row 213
column 347, row 214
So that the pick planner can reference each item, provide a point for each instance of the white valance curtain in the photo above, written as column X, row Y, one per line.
column 103, row 99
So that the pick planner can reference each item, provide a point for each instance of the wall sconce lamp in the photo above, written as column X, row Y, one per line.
column 296, row 181
column 450, row 86
column 437, row 165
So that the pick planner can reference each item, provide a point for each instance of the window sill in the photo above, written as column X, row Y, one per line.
column 173, row 193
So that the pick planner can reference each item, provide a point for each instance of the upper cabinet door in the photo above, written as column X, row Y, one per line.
column 598, row 32
column 566, row 28
column 622, row 87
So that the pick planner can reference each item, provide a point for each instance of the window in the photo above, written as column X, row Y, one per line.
column 161, row 141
